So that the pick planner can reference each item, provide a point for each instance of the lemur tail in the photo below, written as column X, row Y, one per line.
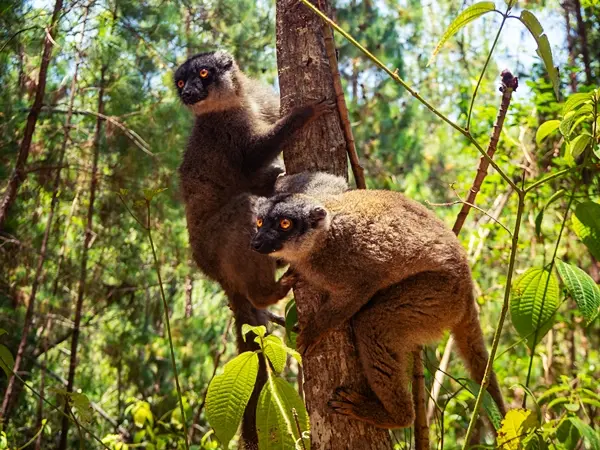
column 471, row 346
column 244, row 312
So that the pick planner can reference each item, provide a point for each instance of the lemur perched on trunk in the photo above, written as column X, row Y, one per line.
column 391, row 267
column 228, row 162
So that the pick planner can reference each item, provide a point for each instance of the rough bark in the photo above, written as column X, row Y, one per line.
column 84, row 258
column 570, row 46
column 18, row 175
column 305, row 77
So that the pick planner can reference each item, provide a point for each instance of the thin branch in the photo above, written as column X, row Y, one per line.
column 132, row 135
column 15, row 35
column 460, row 201
column 509, row 84
column 421, row 427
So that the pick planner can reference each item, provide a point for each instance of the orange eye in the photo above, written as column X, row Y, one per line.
column 180, row 84
column 285, row 224
column 203, row 73
column 259, row 222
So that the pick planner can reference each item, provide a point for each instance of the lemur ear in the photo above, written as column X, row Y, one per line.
column 317, row 216
column 224, row 59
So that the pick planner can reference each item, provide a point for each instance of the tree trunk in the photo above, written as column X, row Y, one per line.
column 18, row 174
column 305, row 77
column 84, row 256
column 585, row 51
column 570, row 46
column 4, row 413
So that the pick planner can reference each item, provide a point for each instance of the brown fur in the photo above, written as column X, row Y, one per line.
column 394, row 269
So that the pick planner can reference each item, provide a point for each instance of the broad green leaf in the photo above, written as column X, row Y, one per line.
column 7, row 361
column 291, row 320
column 81, row 404
column 574, row 101
column 275, row 420
column 142, row 414
column 3, row 331
column 545, row 130
column 489, row 405
column 275, row 350
column 538, row 220
column 590, row 436
column 259, row 330
column 516, row 426
column 566, row 124
column 544, row 51
column 579, row 144
column 465, row 17
column 510, row 3
column 533, row 304
column 582, row 288
column 586, row 224
column 228, row 395
column 568, row 435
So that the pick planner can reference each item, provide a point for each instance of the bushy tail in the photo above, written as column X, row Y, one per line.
column 471, row 346
column 244, row 312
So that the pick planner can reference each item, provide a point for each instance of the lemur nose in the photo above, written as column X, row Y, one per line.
column 256, row 245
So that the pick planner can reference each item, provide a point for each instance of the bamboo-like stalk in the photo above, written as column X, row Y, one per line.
column 418, row 390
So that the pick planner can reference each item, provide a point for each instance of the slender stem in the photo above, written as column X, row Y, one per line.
column 412, row 92
column 30, row 441
column 487, row 61
column 496, row 341
column 551, row 177
column 166, row 308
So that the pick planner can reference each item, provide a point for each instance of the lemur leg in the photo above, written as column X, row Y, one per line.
column 397, row 320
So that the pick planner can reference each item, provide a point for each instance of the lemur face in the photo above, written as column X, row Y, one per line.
column 205, row 80
column 288, row 225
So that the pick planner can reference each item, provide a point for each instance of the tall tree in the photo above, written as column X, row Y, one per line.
column 305, row 76
column 18, row 174
column 84, row 257
column 37, row 279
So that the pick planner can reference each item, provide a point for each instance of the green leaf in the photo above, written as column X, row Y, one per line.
column 574, row 101
column 545, row 130
column 3, row 331
column 81, row 404
column 259, row 330
column 538, row 219
column 275, row 350
column 228, row 395
column 582, row 288
column 533, row 304
column 579, row 144
column 510, row 3
column 566, row 124
column 291, row 320
column 516, row 426
column 275, row 420
column 489, row 405
column 586, row 224
column 142, row 413
column 568, row 435
column 7, row 361
column 465, row 17
column 589, row 435
column 544, row 51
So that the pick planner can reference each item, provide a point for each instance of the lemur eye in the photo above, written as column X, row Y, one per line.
column 180, row 84
column 259, row 222
column 203, row 73
column 285, row 224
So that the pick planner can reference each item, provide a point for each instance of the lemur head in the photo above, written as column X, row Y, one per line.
column 207, row 82
column 289, row 225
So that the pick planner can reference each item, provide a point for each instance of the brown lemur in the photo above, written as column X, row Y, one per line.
column 391, row 267
column 228, row 162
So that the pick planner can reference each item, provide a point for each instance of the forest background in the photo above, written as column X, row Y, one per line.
column 97, row 292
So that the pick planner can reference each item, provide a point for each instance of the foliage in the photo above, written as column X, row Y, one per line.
column 548, row 148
